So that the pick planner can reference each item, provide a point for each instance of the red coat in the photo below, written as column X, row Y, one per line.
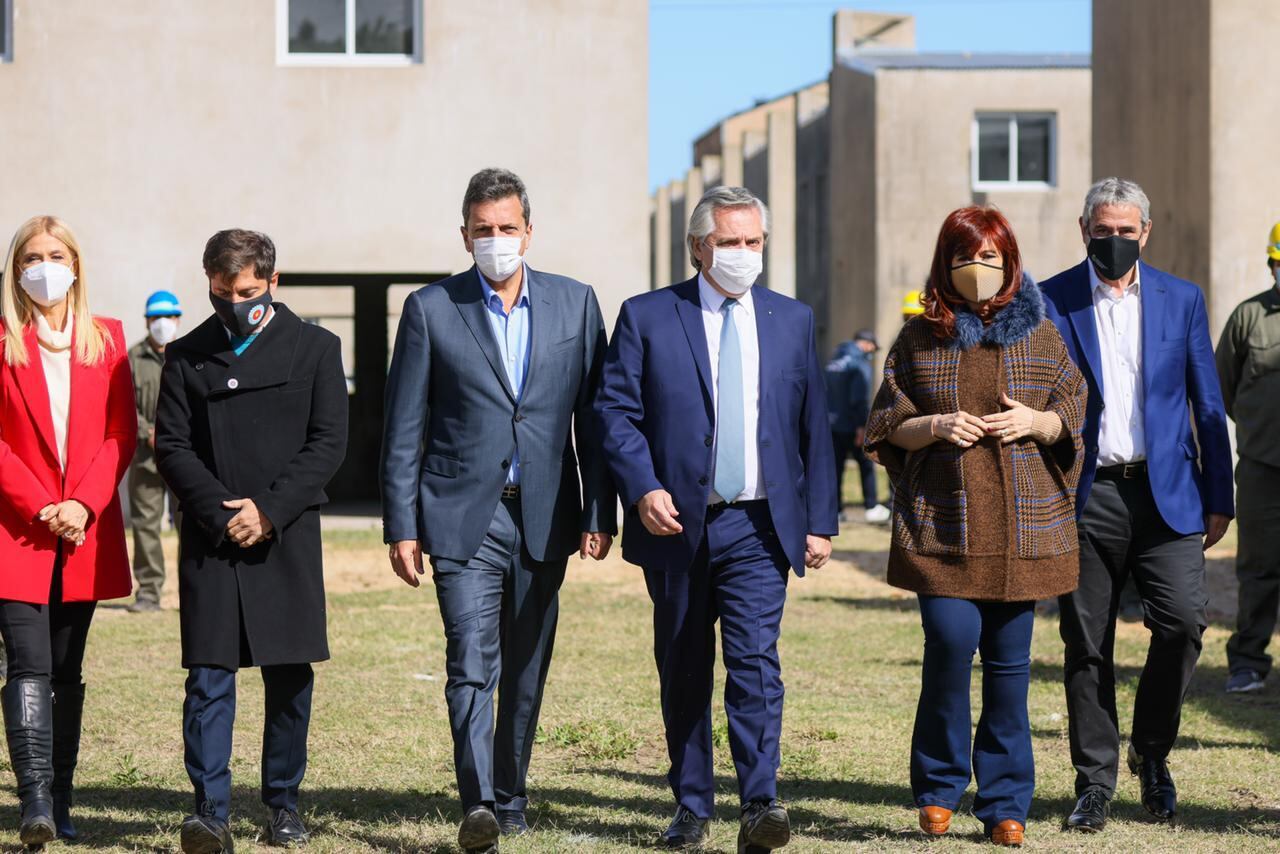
column 101, row 436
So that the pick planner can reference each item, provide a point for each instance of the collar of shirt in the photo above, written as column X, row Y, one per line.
column 490, row 295
column 1101, row 289
column 712, row 300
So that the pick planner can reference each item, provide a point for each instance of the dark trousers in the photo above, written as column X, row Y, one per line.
column 500, row 610
column 1257, row 565
column 739, row 577
column 846, row 447
column 46, row 641
column 208, row 719
column 1001, row 748
column 1123, row 534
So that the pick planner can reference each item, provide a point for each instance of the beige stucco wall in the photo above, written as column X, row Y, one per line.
column 150, row 131
column 920, row 170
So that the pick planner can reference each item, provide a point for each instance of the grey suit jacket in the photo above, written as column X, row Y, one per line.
column 452, row 422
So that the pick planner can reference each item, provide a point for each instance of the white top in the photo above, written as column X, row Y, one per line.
column 745, row 319
column 57, row 376
column 1122, row 436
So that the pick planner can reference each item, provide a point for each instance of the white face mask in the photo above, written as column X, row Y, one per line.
column 736, row 270
column 47, row 283
column 163, row 329
column 497, row 257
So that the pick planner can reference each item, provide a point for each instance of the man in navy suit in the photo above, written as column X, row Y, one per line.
column 714, row 420
column 1153, row 495
column 491, row 469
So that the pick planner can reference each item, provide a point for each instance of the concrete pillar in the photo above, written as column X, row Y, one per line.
column 661, row 239
column 731, row 164
column 781, row 257
column 712, row 171
column 692, row 193
column 678, row 221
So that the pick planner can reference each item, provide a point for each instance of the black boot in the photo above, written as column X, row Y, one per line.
column 28, row 724
column 68, row 706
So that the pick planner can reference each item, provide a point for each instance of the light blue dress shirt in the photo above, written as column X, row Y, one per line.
column 512, row 334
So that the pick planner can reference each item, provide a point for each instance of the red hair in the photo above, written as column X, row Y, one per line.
column 963, row 232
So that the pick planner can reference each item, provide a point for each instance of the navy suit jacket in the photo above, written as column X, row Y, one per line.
column 1178, row 369
column 658, row 421
column 452, row 421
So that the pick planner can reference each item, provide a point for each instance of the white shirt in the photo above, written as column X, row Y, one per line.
column 744, row 316
column 57, row 377
column 1122, row 436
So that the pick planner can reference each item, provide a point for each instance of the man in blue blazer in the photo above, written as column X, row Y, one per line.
column 488, row 431
column 1154, row 493
column 714, row 420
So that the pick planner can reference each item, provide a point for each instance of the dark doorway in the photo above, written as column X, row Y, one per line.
column 363, row 319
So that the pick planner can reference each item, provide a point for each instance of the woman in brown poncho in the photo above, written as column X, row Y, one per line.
column 978, row 421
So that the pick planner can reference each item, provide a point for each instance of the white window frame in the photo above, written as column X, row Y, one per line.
column 1012, row 183
column 350, row 58
column 6, row 44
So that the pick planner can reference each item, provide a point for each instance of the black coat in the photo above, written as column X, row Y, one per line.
column 270, row 425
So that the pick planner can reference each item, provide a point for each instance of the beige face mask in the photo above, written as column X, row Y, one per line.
column 976, row 281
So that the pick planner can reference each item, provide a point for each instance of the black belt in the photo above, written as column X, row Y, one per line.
column 721, row 505
column 511, row 490
column 1123, row 471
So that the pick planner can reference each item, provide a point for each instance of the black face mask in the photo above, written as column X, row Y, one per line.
column 1113, row 256
column 242, row 318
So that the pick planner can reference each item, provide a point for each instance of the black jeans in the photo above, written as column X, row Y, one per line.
column 1257, row 565
column 846, row 447
column 46, row 641
column 1123, row 534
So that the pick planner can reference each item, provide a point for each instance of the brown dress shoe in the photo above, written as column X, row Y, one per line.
column 1007, row 832
column 935, row 820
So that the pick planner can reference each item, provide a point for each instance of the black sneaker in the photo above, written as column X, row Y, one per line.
column 764, row 827
column 206, row 834
column 1244, row 681
column 286, row 829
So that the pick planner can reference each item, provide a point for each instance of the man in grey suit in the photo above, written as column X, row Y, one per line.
column 488, row 430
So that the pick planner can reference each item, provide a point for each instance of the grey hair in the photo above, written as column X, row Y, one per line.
column 1116, row 191
column 489, row 185
column 703, row 219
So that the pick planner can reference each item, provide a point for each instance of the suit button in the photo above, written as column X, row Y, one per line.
column 506, row 464
column 519, row 417
column 702, row 481
column 707, row 441
column 764, row 443
column 199, row 366
column 1093, row 449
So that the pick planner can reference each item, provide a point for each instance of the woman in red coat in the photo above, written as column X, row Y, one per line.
column 67, row 428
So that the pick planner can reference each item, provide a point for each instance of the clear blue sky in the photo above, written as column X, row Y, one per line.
column 711, row 58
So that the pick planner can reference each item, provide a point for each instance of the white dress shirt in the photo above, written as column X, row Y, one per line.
column 1122, row 436
column 712, row 322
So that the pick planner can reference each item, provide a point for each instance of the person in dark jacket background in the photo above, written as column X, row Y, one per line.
column 848, row 379
column 250, row 426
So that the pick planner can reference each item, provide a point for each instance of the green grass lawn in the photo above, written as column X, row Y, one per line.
column 381, row 779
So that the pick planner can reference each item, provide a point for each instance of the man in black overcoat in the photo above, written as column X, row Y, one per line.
column 250, row 426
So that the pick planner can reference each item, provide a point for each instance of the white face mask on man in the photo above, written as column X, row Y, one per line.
column 47, row 283
column 735, row 270
column 497, row 257
column 163, row 329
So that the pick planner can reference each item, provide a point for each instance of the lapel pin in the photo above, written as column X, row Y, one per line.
column 233, row 383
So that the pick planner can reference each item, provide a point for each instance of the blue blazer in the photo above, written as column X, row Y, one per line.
column 657, row 420
column 1177, row 368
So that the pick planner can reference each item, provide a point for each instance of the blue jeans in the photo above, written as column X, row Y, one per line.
column 1001, row 749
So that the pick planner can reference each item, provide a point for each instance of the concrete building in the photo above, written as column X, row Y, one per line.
column 1182, row 104
column 345, row 129
column 860, row 169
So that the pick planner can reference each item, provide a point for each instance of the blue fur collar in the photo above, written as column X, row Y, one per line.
column 1015, row 321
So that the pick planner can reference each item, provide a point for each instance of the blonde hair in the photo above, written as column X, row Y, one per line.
column 93, row 342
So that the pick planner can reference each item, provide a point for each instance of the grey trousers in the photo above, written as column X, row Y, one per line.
column 499, row 611
column 1257, row 565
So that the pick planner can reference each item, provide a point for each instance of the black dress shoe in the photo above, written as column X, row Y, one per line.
column 764, row 827
column 206, row 834
column 1159, row 795
column 1090, row 814
column 512, row 822
column 286, row 829
column 686, row 830
column 479, row 831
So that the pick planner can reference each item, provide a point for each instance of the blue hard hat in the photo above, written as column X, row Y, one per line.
column 162, row 304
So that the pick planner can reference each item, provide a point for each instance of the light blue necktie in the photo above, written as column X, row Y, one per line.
column 731, row 464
